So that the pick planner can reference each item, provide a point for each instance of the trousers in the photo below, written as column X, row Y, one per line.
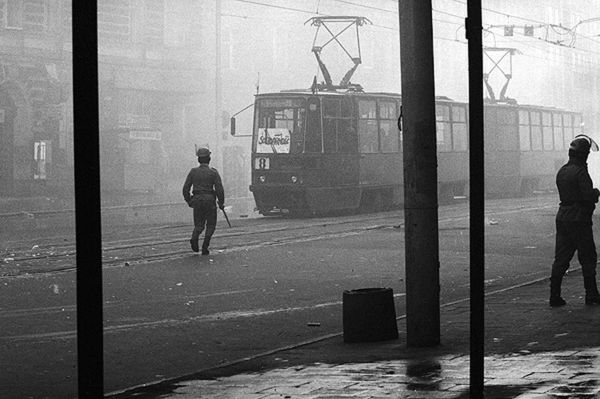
column 205, row 215
column 571, row 237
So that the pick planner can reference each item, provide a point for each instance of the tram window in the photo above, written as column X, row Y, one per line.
column 346, row 131
column 536, row 138
column 547, row 131
column 331, row 113
column 523, row 118
column 558, row 131
column 346, row 107
column 388, row 136
column 331, row 107
column 387, row 110
column 367, row 126
column 367, row 135
column 283, row 114
column 524, row 133
column 536, row 131
column 443, row 129
column 568, row 130
column 313, row 137
column 367, row 109
column 338, row 134
column 576, row 125
column 346, row 136
column 459, row 137
column 388, row 131
column 524, row 138
column 459, row 128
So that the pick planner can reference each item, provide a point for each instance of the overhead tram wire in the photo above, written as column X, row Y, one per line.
column 279, row 7
column 590, row 65
column 535, row 21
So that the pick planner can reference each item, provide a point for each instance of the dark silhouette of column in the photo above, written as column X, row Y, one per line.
column 87, row 199
column 476, row 171
column 420, row 174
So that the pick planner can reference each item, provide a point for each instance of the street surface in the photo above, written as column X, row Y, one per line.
column 268, row 283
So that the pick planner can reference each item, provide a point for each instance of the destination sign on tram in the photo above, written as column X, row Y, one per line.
column 273, row 141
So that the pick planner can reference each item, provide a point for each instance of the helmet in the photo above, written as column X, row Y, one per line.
column 582, row 144
column 203, row 152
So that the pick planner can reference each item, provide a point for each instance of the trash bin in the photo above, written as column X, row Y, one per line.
column 369, row 315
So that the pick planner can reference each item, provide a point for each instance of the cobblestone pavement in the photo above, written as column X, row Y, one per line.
column 532, row 352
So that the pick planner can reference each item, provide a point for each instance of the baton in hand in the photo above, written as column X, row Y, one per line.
column 226, row 217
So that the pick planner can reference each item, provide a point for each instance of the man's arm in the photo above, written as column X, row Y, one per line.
column 186, row 188
column 219, row 191
column 588, row 193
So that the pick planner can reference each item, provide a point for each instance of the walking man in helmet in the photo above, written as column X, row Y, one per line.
column 574, row 222
column 207, row 187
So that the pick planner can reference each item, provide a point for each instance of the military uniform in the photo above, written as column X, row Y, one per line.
column 207, row 187
column 574, row 223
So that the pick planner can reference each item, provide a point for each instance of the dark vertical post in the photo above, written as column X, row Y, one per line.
column 87, row 199
column 473, row 26
column 420, row 174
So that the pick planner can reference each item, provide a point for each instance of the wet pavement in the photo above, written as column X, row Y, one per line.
column 572, row 374
column 532, row 351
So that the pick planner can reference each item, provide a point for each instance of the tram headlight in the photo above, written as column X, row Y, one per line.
column 294, row 179
column 261, row 179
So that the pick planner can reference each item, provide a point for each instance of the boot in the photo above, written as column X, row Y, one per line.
column 207, row 236
column 592, row 297
column 194, row 244
column 194, row 241
column 555, row 298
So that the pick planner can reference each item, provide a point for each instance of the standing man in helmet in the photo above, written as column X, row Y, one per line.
column 574, row 222
column 206, row 186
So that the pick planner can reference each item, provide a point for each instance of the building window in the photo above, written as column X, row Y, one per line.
column 35, row 15
column 155, row 21
column 13, row 14
column 29, row 15
column 114, row 20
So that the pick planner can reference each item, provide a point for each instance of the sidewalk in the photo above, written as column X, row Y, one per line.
column 532, row 351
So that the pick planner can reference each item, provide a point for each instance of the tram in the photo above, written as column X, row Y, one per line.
column 337, row 147
column 319, row 152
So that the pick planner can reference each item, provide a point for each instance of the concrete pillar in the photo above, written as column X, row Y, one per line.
column 420, row 174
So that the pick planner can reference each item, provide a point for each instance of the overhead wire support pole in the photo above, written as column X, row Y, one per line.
column 90, row 365
column 473, row 26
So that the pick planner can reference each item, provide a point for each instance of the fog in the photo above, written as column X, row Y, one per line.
column 178, row 70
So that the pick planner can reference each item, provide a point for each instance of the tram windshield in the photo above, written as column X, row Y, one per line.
column 279, row 126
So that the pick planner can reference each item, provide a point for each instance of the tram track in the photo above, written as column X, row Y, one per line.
column 125, row 251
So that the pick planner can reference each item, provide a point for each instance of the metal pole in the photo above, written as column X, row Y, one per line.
column 420, row 174
column 87, row 200
column 476, row 170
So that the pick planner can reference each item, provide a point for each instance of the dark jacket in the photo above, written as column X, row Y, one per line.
column 206, row 183
column 576, row 192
